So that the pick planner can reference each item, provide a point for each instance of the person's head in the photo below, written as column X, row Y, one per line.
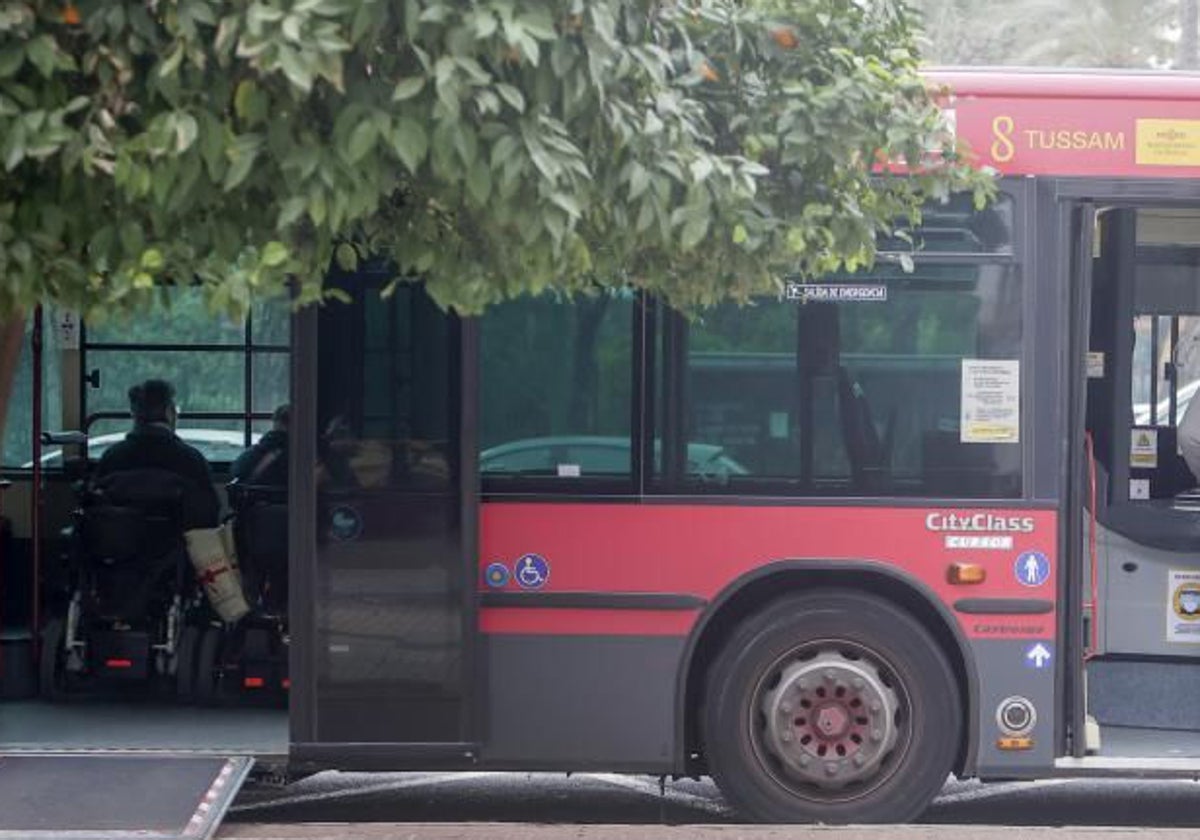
column 153, row 401
column 279, row 420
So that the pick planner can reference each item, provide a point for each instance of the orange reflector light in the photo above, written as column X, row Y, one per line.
column 965, row 574
column 1011, row 744
column 118, row 663
column 253, row 682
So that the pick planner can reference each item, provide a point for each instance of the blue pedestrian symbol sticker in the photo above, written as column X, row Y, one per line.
column 1032, row 568
column 531, row 571
column 496, row 575
column 1038, row 657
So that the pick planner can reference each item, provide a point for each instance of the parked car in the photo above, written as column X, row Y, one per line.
column 216, row 445
column 583, row 455
column 1141, row 411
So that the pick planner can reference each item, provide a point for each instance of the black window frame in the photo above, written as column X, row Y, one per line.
column 247, row 348
column 500, row 485
column 674, row 481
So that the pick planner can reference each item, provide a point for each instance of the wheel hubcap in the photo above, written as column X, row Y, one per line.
column 830, row 720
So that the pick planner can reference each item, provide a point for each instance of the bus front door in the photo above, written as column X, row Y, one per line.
column 389, row 612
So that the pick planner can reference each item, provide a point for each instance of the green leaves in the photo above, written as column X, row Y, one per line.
column 410, row 142
column 493, row 148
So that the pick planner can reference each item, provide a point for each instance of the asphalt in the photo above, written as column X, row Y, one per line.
column 597, row 806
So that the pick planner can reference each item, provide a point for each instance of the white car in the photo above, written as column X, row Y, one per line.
column 216, row 445
column 1141, row 411
column 593, row 455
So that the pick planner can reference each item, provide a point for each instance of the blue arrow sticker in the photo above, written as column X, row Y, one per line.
column 1039, row 656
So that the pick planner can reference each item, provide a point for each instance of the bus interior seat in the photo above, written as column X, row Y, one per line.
column 868, row 451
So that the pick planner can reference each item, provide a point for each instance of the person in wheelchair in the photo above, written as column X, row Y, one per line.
column 153, row 445
column 265, row 463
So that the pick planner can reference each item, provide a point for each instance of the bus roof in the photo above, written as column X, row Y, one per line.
column 1066, row 83
column 1108, row 123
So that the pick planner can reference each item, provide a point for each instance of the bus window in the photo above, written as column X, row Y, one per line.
column 556, row 387
column 855, row 397
column 956, row 227
column 228, row 376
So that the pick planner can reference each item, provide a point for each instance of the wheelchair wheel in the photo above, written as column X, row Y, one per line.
column 51, row 665
column 185, row 662
column 208, row 676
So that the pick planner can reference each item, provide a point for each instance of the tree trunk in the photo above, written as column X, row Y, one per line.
column 1189, row 17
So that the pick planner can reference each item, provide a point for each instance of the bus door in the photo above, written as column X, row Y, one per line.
column 1141, row 528
column 385, row 642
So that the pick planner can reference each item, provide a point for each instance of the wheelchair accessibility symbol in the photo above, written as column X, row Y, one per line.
column 531, row 571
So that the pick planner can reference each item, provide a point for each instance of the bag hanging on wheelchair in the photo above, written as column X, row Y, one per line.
column 215, row 560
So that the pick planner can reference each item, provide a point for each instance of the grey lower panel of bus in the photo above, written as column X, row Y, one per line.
column 86, row 725
column 1150, row 695
column 605, row 701
column 1131, row 742
column 110, row 797
column 1008, row 668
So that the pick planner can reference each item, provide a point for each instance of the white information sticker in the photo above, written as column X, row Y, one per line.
column 569, row 471
column 1095, row 365
column 991, row 401
column 1139, row 488
column 1143, row 449
column 1183, row 606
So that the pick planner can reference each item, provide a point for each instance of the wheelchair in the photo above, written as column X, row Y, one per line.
column 248, row 660
column 130, row 589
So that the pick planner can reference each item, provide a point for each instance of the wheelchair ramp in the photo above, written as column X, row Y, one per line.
column 109, row 796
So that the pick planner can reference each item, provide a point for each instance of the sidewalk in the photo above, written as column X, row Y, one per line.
column 526, row 831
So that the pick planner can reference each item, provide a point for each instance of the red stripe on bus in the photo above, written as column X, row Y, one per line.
column 700, row 550
column 118, row 663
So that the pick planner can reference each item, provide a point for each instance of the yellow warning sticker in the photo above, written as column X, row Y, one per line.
column 1143, row 449
column 1168, row 143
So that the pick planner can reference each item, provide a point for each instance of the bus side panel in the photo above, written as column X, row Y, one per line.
column 580, row 701
column 584, row 656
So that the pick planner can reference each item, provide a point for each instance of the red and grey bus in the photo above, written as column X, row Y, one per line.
column 827, row 548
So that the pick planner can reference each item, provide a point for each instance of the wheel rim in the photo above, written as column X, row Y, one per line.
column 830, row 721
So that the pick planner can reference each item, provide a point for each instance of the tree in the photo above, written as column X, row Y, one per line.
column 1053, row 33
column 489, row 147
column 967, row 32
column 1098, row 33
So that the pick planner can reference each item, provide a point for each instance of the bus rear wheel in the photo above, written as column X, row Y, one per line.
column 833, row 706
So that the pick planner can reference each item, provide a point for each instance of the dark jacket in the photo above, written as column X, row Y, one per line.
column 266, row 462
column 155, row 446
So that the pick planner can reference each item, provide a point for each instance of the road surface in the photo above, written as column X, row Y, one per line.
column 601, row 806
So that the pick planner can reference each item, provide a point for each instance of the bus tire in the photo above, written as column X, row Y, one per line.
column 832, row 706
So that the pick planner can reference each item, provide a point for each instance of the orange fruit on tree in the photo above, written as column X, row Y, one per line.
column 785, row 37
